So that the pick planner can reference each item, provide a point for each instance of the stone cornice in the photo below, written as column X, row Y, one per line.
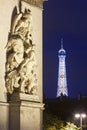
column 38, row 3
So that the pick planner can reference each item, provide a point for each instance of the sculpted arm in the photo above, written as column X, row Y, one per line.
column 15, row 22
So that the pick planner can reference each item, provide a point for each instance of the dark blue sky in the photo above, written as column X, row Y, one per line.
column 65, row 19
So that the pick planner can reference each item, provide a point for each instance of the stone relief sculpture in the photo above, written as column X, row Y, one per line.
column 21, row 62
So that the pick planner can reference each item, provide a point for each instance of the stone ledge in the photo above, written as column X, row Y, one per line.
column 24, row 97
column 4, row 104
column 38, row 3
column 27, row 104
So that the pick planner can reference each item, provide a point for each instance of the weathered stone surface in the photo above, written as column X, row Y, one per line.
column 4, row 116
column 24, row 97
column 26, row 112
column 20, row 56
column 38, row 3
column 26, row 115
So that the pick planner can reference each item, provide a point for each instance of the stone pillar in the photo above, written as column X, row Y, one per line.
column 25, row 106
column 24, row 110
column 6, row 9
column 25, row 115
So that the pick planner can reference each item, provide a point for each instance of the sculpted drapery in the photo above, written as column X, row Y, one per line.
column 20, row 51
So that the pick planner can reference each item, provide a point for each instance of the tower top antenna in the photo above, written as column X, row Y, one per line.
column 61, row 43
column 62, row 51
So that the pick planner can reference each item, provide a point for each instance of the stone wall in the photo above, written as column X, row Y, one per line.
column 8, row 8
column 5, row 20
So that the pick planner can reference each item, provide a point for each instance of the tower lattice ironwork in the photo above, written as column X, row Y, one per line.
column 62, row 80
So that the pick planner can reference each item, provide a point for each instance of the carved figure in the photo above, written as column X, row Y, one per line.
column 22, row 26
column 16, row 48
column 27, row 70
column 21, row 61
column 12, row 81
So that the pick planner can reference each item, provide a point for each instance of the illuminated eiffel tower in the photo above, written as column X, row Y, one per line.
column 62, row 80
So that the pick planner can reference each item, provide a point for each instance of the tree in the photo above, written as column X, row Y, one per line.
column 70, row 126
column 51, row 122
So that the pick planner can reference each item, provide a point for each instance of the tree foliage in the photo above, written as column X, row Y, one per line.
column 51, row 122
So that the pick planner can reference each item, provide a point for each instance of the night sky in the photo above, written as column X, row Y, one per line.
column 65, row 19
